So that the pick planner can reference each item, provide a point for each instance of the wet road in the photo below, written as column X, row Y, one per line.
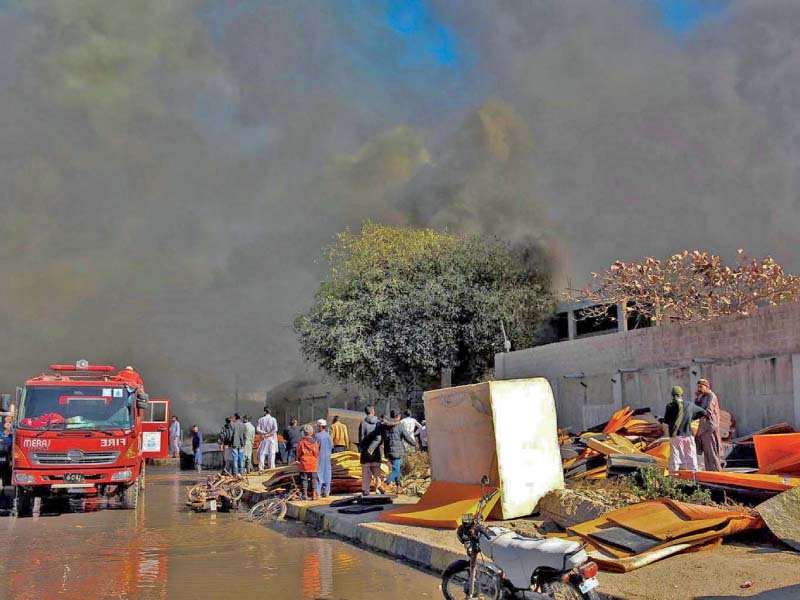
column 163, row 550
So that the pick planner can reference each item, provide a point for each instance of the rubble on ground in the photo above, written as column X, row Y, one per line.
column 416, row 473
column 578, row 504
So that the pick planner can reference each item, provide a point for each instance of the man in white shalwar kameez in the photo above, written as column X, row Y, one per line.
column 267, row 427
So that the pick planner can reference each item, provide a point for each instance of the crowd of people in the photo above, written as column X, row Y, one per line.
column 379, row 438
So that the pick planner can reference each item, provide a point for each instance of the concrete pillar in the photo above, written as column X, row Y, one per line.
column 572, row 325
column 499, row 366
column 796, row 388
column 447, row 378
column 622, row 316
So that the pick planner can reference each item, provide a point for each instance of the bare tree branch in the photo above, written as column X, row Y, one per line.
column 689, row 286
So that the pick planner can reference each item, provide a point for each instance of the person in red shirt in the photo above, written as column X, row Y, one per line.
column 130, row 376
column 308, row 456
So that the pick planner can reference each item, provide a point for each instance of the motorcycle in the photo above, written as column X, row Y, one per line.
column 521, row 567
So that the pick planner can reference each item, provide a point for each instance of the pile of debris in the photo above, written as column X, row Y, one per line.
column 632, row 438
column 637, row 535
column 416, row 473
column 345, row 475
column 629, row 440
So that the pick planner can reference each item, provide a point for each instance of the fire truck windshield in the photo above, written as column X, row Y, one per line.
column 61, row 407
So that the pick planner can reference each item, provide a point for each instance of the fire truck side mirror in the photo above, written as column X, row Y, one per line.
column 142, row 400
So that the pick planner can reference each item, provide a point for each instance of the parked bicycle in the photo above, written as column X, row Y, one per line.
column 275, row 506
column 231, row 486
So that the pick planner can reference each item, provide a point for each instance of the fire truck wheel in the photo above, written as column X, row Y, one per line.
column 130, row 495
column 23, row 503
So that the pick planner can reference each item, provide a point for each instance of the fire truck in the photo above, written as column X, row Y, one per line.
column 77, row 432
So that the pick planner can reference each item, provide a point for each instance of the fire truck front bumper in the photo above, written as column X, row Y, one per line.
column 79, row 479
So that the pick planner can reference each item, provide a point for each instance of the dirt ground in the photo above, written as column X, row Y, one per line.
column 718, row 573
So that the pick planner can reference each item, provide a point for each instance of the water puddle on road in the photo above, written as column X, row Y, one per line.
column 163, row 550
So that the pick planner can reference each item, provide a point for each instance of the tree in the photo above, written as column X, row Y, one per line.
column 690, row 286
column 403, row 304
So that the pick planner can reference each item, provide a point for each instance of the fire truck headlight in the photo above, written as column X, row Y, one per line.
column 24, row 478
column 122, row 475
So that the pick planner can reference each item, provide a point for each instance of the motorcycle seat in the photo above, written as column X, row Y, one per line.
column 519, row 556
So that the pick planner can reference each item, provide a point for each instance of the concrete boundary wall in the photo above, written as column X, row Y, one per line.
column 753, row 364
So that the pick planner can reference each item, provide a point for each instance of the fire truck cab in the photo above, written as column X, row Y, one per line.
column 77, row 432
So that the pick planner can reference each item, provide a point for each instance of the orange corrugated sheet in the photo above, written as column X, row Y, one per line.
column 440, row 507
column 674, row 526
column 661, row 452
column 667, row 521
column 778, row 453
column 619, row 420
column 748, row 480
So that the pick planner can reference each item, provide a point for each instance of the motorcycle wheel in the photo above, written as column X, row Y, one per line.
column 559, row 590
column 455, row 582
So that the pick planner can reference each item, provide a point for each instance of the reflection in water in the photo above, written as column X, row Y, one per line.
column 164, row 551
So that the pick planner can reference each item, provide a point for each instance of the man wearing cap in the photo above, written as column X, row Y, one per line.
column 323, row 439
column 708, row 439
column 129, row 375
column 678, row 417
column 267, row 428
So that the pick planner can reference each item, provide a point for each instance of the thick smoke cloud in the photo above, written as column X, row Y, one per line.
column 170, row 168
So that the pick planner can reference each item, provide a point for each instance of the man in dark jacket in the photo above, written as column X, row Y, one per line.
column 237, row 444
column 225, row 440
column 392, row 434
column 197, row 448
column 370, row 460
column 292, row 435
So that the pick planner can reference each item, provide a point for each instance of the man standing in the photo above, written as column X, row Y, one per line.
column 323, row 438
column 197, row 448
column 225, row 439
column 395, row 440
column 708, row 436
column 292, row 437
column 412, row 428
column 175, row 437
column 370, row 461
column 250, row 439
column 423, row 437
column 339, row 435
column 678, row 417
column 238, row 443
column 268, row 429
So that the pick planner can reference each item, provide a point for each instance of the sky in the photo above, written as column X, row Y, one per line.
column 170, row 171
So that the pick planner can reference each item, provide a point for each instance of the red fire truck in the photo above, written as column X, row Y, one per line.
column 78, row 432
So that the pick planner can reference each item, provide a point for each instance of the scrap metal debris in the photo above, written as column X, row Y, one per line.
column 637, row 535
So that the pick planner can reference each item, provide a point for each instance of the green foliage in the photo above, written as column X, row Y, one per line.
column 402, row 304
column 650, row 483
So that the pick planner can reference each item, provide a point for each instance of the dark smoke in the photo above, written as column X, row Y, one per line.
column 170, row 168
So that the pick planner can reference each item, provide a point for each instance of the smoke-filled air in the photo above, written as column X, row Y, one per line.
column 169, row 169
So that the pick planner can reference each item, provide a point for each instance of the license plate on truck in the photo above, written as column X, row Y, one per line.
column 73, row 478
